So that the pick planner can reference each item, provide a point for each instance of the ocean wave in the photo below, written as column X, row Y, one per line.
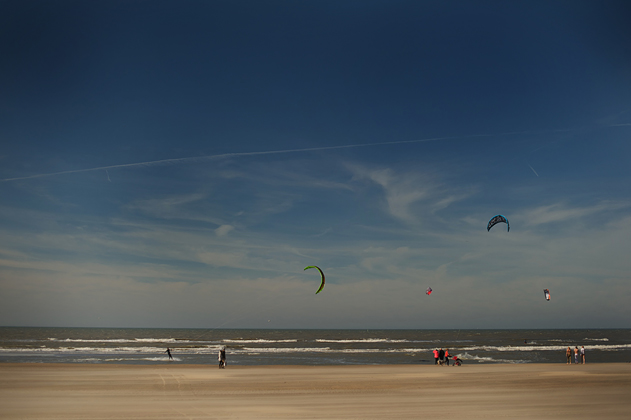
column 119, row 340
column 596, row 339
column 258, row 340
column 260, row 350
column 209, row 349
column 603, row 347
column 362, row 340
column 109, row 350
column 148, row 359
column 486, row 359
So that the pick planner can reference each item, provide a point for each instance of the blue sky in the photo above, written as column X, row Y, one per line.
column 178, row 164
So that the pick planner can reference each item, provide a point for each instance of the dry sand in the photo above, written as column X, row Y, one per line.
column 171, row 391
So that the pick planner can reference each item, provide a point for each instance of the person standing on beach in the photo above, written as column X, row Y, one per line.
column 222, row 358
column 169, row 353
column 435, row 356
column 576, row 355
column 441, row 356
column 568, row 354
column 447, row 356
column 583, row 354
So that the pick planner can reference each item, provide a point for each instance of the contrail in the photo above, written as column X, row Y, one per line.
column 239, row 154
column 533, row 169
column 108, row 176
column 272, row 152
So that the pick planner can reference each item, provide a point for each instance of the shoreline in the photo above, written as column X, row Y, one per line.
column 523, row 391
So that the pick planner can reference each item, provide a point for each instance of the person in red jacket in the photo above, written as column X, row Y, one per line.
column 447, row 356
column 436, row 356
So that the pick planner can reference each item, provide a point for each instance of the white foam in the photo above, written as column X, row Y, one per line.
column 258, row 340
column 604, row 347
column 259, row 350
column 362, row 340
column 120, row 340
column 485, row 359
column 149, row 359
column 248, row 350
column 89, row 350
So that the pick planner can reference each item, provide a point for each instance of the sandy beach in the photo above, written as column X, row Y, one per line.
column 170, row 391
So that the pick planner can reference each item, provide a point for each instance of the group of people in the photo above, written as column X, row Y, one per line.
column 441, row 357
column 577, row 352
column 221, row 356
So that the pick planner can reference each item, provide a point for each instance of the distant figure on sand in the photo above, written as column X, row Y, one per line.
column 568, row 354
column 222, row 358
column 576, row 354
column 436, row 356
column 169, row 353
column 441, row 356
column 583, row 354
column 447, row 356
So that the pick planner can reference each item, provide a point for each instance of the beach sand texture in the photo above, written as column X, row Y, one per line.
column 528, row 391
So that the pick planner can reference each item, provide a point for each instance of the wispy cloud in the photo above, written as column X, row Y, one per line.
column 443, row 203
column 327, row 230
column 390, row 276
column 560, row 212
column 190, row 207
column 223, row 230
column 400, row 191
column 410, row 195
column 613, row 120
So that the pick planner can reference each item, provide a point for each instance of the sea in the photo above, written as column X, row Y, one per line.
column 307, row 347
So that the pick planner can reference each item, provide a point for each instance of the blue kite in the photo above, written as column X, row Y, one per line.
column 497, row 219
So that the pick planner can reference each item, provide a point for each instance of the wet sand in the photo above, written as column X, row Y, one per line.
column 172, row 391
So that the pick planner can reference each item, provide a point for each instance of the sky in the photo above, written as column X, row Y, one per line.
column 179, row 163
